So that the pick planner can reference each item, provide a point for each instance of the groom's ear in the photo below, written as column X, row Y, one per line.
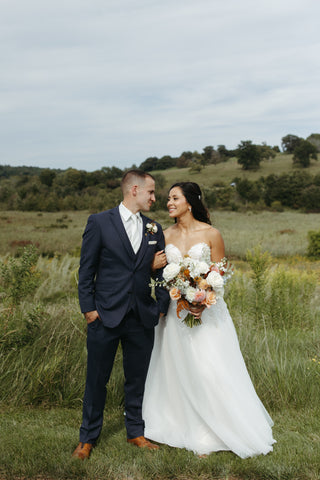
column 134, row 190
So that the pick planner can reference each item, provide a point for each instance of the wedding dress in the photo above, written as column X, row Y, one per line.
column 198, row 393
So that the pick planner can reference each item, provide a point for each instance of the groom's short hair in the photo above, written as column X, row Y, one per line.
column 131, row 177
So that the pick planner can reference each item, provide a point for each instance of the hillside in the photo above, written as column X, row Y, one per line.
column 225, row 172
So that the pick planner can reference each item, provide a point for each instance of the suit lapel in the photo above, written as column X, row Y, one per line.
column 118, row 224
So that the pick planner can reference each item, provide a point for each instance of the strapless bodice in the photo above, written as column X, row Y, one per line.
column 198, row 251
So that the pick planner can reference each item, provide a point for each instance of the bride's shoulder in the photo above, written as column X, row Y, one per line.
column 168, row 232
column 209, row 230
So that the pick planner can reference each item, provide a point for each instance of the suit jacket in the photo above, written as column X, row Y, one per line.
column 112, row 278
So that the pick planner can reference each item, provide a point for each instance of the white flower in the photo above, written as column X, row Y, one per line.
column 215, row 280
column 171, row 271
column 198, row 268
column 190, row 294
column 151, row 228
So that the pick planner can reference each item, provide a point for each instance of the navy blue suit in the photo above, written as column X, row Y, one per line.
column 115, row 281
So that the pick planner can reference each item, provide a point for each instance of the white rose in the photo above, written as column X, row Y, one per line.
column 170, row 271
column 198, row 268
column 190, row 294
column 215, row 280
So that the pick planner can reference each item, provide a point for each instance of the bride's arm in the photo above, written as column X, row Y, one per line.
column 159, row 260
column 217, row 245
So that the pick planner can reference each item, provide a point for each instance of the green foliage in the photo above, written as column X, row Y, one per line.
column 288, row 189
column 43, row 362
column 249, row 155
column 248, row 190
column 20, row 277
column 314, row 244
column 195, row 167
column 303, row 153
column 19, row 328
column 314, row 138
column 259, row 263
column 289, row 300
column 290, row 142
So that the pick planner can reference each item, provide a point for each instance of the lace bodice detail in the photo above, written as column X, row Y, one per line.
column 198, row 251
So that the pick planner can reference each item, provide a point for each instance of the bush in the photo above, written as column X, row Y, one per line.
column 314, row 244
column 20, row 277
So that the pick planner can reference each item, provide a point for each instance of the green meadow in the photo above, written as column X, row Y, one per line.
column 273, row 297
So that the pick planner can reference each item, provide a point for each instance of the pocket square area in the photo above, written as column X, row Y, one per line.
column 152, row 242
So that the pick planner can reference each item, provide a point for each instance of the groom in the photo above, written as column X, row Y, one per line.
column 114, row 294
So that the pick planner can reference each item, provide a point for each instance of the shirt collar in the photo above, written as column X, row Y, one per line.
column 126, row 213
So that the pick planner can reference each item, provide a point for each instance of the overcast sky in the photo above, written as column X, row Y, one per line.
column 93, row 83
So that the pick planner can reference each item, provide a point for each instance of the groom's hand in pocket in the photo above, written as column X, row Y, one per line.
column 91, row 316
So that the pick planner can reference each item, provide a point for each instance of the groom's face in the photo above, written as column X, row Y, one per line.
column 146, row 194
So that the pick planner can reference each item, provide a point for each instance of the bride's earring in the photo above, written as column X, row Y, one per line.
column 189, row 208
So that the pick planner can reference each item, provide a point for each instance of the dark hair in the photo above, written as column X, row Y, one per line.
column 193, row 195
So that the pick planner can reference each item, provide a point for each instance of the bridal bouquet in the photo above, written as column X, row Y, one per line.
column 195, row 282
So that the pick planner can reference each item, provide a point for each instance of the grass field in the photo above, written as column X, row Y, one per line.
column 43, row 357
column 282, row 234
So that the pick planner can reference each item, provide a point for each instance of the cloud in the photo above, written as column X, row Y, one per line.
column 111, row 83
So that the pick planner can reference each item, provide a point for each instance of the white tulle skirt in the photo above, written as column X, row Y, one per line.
column 198, row 394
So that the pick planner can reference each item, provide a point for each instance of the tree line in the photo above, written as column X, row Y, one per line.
column 44, row 189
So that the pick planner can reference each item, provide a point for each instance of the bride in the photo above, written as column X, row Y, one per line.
column 198, row 393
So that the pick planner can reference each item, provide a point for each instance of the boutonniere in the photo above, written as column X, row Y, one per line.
column 151, row 228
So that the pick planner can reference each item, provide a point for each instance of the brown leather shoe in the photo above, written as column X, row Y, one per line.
column 142, row 442
column 83, row 450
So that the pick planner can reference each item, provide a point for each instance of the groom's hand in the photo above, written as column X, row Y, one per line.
column 91, row 316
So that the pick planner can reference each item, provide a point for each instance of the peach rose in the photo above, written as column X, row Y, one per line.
column 174, row 293
column 203, row 284
column 210, row 299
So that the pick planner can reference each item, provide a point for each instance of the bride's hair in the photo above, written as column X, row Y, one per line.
column 193, row 195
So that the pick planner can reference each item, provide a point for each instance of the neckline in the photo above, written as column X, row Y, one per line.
column 187, row 253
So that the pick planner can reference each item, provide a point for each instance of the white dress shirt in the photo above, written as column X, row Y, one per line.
column 126, row 215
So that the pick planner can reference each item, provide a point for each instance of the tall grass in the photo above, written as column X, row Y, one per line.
column 43, row 363
column 276, row 312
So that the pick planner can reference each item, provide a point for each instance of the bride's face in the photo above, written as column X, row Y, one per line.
column 177, row 203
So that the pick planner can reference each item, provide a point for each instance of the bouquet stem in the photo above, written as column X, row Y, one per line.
column 191, row 321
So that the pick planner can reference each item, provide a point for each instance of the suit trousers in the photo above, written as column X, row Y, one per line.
column 102, row 344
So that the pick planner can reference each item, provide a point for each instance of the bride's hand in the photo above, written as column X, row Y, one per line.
column 196, row 310
column 159, row 260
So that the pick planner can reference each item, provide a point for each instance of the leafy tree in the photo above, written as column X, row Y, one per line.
column 224, row 153
column 165, row 162
column 47, row 176
column 112, row 172
column 310, row 199
column 183, row 161
column 149, row 164
column 266, row 151
column 207, row 155
column 314, row 138
column 249, row 155
column 248, row 190
column 286, row 188
column 290, row 142
column 303, row 153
